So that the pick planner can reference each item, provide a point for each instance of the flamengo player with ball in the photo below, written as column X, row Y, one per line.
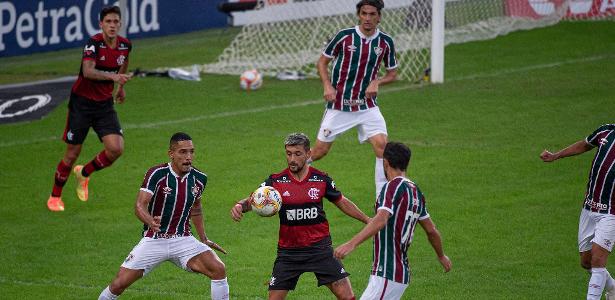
column 304, row 243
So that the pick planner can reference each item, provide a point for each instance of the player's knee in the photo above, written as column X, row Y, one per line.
column 319, row 151
column 114, row 153
column 586, row 265
column 218, row 270
column 117, row 287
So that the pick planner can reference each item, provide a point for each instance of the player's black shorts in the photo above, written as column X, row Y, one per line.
column 84, row 113
column 318, row 259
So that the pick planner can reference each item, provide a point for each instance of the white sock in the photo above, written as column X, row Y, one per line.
column 379, row 175
column 610, row 282
column 219, row 289
column 596, row 283
column 107, row 295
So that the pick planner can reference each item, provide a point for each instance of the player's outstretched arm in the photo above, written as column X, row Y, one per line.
column 239, row 208
column 375, row 224
column 143, row 199
column 351, row 209
column 574, row 149
column 433, row 235
column 196, row 216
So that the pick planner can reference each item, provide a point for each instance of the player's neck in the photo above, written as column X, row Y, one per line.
column 110, row 41
column 392, row 173
column 301, row 174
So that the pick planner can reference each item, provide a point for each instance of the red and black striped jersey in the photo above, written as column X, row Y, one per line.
column 303, row 222
column 107, row 59
column 172, row 198
column 600, row 195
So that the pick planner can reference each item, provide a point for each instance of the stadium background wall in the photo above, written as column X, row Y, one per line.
column 39, row 26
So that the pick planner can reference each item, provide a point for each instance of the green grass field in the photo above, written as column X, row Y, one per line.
column 509, row 221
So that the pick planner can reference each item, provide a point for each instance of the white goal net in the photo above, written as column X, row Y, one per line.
column 288, row 35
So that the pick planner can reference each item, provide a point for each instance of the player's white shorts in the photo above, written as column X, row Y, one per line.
column 369, row 122
column 150, row 252
column 596, row 228
column 382, row 288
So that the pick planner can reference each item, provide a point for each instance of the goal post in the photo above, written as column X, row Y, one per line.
column 288, row 35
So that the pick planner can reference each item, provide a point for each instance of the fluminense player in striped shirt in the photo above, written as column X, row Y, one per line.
column 170, row 197
column 399, row 207
column 597, row 220
column 352, row 88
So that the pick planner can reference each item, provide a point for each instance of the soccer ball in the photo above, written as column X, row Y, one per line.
column 266, row 201
column 251, row 80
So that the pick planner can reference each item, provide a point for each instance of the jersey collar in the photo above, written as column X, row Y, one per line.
column 175, row 174
column 368, row 38
column 292, row 178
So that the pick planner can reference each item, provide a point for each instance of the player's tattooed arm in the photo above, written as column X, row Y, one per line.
column 240, row 207
column 90, row 72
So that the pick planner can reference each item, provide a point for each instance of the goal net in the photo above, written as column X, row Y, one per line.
column 288, row 35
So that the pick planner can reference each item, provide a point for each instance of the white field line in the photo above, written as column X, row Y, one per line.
column 72, row 286
column 384, row 90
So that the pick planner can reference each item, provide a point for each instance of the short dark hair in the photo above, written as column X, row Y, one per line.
column 110, row 10
column 378, row 4
column 178, row 137
column 398, row 155
column 297, row 138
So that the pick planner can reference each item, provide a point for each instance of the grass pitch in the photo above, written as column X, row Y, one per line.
column 508, row 221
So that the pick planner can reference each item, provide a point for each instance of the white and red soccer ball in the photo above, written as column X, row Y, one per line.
column 266, row 201
column 251, row 80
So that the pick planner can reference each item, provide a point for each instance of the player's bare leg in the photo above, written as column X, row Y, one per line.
column 277, row 294
column 342, row 289
column 320, row 149
column 124, row 278
column 600, row 277
column 54, row 203
column 379, row 141
column 210, row 265
column 114, row 146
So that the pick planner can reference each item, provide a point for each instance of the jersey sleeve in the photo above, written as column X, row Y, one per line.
column 268, row 182
column 90, row 49
column 149, row 183
column 423, row 213
column 332, row 193
column 594, row 138
column 390, row 58
column 332, row 48
column 385, row 199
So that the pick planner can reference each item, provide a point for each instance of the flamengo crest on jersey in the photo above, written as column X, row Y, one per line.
column 356, row 64
column 302, row 218
column 600, row 195
column 406, row 204
column 172, row 198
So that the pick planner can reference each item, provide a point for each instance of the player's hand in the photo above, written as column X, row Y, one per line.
column 446, row 263
column 372, row 89
column 155, row 225
column 121, row 79
column 547, row 156
column 329, row 93
column 237, row 212
column 343, row 250
column 120, row 95
column 214, row 246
